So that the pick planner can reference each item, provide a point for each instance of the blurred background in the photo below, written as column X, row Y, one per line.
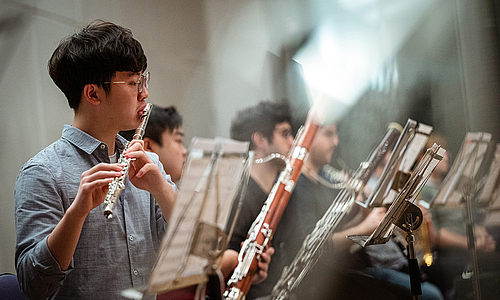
column 378, row 61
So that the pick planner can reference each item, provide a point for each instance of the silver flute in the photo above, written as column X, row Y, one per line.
column 118, row 184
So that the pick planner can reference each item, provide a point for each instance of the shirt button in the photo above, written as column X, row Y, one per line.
column 282, row 245
column 103, row 146
column 131, row 237
column 136, row 272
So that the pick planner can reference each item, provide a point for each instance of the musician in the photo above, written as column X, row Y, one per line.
column 267, row 127
column 386, row 261
column 448, row 234
column 336, row 274
column 66, row 248
column 164, row 136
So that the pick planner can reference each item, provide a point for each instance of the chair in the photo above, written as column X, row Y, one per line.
column 9, row 288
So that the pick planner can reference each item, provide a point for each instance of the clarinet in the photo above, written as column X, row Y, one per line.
column 312, row 246
column 262, row 229
column 118, row 184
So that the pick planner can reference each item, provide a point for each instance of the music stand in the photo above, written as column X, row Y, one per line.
column 405, row 214
column 195, row 238
column 409, row 145
column 462, row 174
column 459, row 187
column 490, row 194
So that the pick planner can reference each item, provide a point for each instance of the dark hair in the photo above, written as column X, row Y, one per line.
column 260, row 118
column 94, row 55
column 161, row 119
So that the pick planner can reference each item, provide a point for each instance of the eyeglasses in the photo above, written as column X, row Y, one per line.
column 285, row 133
column 142, row 83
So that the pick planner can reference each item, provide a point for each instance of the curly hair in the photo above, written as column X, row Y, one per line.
column 261, row 118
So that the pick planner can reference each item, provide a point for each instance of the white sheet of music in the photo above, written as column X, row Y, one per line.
column 464, row 168
column 414, row 149
column 490, row 194
column 208, row 188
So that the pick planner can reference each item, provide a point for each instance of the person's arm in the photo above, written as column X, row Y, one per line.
column 91, row 193
column 47, row 234
column 448, row 239
column 483, row 241
column 366, row 227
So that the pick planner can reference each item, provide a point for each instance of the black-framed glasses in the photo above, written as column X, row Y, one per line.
column 285, row 133
column 142, row 83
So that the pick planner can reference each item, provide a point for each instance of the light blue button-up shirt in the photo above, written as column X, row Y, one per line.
column 112, row 254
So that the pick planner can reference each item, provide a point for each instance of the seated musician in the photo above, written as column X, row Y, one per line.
column 386, row 261
column 66, row 248
column 448, row 235
column 337, row 273
column 165, row 137
column 307, row 204
column 267, row 127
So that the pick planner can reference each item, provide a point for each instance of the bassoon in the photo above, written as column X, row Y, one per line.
column 262, row 229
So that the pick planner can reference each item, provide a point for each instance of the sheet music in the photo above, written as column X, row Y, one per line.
column 490, row 194
column 414, row 149
column 463, row 172
column 195, row 233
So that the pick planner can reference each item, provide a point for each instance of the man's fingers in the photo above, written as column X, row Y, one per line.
column 146, row 168
column 96, row 184
column 100, row 175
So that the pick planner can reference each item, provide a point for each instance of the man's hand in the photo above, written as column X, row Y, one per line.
column 143, row 172
column 263, row 265
column 484, row 241
column 94, row 187
column 146, row 175
column 372, row 220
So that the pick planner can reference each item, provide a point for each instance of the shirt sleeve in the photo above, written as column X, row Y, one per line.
column 38, row 209
column 161, row 223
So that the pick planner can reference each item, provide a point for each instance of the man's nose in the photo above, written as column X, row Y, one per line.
column 143, row 94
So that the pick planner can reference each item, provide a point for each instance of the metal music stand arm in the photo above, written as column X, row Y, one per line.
column 413, row 219
column 416, row 286
column 471, row 247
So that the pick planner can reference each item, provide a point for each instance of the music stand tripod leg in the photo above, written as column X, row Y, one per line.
column 409, row 221
column 416, row 287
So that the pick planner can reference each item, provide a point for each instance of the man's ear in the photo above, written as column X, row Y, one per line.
column 259, row 140
column 149, row 144
column 91, row 94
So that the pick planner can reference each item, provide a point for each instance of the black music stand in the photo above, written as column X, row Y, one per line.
column 406, row 215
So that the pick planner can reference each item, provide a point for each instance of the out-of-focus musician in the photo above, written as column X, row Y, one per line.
column 267, row 126
column 448, row 237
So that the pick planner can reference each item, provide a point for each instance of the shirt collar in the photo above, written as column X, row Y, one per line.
column 85, row 141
